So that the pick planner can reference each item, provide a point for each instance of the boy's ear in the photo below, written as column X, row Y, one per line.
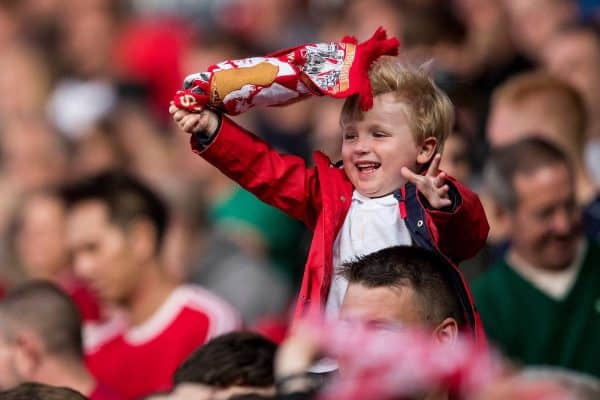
column 427, row 150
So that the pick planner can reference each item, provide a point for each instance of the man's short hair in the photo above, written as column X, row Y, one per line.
column 233, row 359
column 251, row 396
column 525, row 156
column 40, row 391
column 44, row 308
column 424, row 271
column 429, row 110
column 126, row 197
column 559, row 98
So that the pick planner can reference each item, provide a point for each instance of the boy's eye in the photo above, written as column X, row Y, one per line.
column 349, row 135
column 378, row 134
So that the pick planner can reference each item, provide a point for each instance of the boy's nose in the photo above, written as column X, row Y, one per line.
column 362, row 146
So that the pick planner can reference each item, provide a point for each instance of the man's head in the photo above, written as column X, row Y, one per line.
column 404, row 285
column 409, row 122
column 532, row 182
column 538, row 103
column 238, row 362
column 40, row 391
column 37, row 321
column 115, row 230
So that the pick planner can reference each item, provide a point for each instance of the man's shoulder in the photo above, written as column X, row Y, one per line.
column 195, row 299
column 189, row 308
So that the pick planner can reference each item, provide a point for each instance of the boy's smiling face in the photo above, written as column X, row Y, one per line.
column 375, row 148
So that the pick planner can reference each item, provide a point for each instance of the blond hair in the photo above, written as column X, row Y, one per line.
column 561, row 101
column 429, row 110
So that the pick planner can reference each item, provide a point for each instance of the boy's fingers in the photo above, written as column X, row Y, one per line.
column 179, row 115
column 433, row 169
column 172, row 108
column 443, row 191
column 190, row 122
column 439, row 180
column 445, row 203
column 410, row 176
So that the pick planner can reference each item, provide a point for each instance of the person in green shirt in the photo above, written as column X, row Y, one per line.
column 541, row 303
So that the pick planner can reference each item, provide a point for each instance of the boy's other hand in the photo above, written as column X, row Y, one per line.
column 205, row 122
column 432, row 185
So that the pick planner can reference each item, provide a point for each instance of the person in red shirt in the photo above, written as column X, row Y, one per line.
column 115, row 229
column 40, row 341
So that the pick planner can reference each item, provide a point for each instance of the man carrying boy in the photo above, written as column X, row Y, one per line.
column 387, row 190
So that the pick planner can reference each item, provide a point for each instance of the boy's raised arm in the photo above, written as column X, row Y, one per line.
column 280, row 180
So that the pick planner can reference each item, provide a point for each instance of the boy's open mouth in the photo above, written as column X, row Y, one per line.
column 367, row 166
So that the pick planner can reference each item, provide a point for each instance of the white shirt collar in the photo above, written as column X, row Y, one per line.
column 381, row 201
column 555, row 284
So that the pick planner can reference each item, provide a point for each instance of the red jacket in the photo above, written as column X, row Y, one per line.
column 321, row 197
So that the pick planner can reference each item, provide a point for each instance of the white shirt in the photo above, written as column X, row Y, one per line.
column 555, row 284
column 370, row 225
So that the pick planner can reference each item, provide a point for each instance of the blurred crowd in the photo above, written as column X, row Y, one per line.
column 86, row 87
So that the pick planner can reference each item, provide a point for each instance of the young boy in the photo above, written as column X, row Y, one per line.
column 386, row 191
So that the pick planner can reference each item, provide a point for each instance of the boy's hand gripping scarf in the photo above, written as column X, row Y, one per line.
column 337, row 69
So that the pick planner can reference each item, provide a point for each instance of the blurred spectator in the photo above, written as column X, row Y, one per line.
column 41, row 341
column 456, row 156
column 116, row 227
column 574, row 55
column 362, row 18
column 19, row 64
column 539, row 104
column 540, row 302
column 9, row 23
column 533, row 23
column 235, row 363
column 85, row 91
column 32, row 156
column 39, row 391
column 148, row 53
column 98, row 149
column 134, row 124
column 41, row 248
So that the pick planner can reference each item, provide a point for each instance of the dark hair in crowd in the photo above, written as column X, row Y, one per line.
column 126, row 197
column 525, row 156
column 40, row 391
column 420, row 269
column 44, row 308
column 237, row 358
column 251, row 396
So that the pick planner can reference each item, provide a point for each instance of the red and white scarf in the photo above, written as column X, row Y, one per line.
column 336, row 69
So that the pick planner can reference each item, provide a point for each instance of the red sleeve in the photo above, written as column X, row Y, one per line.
column 280, row 180
column 461, row 232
